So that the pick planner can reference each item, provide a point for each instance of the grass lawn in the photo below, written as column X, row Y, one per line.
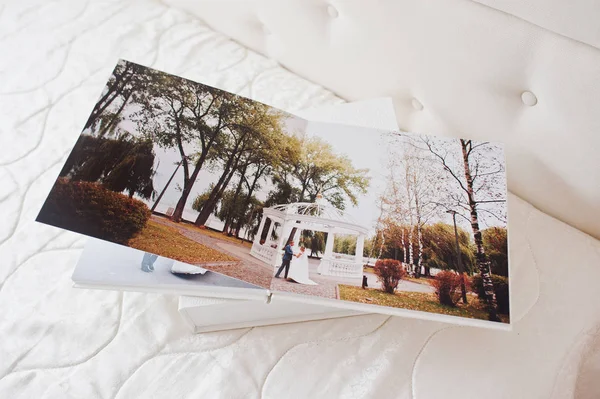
column 216, row 234
column 168, row 242
column 414, row 301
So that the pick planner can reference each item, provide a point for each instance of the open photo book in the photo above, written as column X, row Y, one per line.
column 193, row 190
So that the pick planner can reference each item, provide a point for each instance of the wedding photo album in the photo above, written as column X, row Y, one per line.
column 200, row 190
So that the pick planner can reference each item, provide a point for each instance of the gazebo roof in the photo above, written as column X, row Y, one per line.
column 316, row 213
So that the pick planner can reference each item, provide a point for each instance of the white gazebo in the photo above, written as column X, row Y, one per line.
column 315, row 216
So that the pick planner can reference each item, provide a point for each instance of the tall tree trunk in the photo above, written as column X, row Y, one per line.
column 185, row 193
column 115, row 117
column 259, row 171
column 419, row 264
column 411, row 221
column 230, row 217
column 164, row 190
column 215, row 194
column 419, row 233
column 211, row 202
column 189, row 181
column 382, row 245
column 404, row 251
column 188, row 184
column 301, row 199
column 483, row 263
column 207, row 141
column 410, row 249
column 112, row 93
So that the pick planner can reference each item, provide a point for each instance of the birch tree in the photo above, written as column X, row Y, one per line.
column 412, row 198
column 478, row 172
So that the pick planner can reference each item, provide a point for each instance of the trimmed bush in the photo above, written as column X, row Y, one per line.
column 500, row 288
column 389, row 272
column 88, row 208
column 447, row 287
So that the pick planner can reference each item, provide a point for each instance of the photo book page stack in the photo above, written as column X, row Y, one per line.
column 257, row 216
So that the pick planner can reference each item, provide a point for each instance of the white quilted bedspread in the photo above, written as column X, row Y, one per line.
column 61, row 342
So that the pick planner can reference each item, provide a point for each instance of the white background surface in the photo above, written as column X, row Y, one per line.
column 60, row 342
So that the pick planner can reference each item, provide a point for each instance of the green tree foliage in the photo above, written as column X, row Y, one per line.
column 344, row 244
column 252, row 222
column 315, row 241
column 127, row 83
column 389, row 240
column 120, row 164
column 319, row 170
column 201, row 199
column 439, row 245
column 439, row 248
column 495, row 244
column 189, row 117
column 283, row 193
column 236, row 209
column 256, row 131
column 242, row 142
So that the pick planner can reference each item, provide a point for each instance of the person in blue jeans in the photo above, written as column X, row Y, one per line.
column 148, row 262
column 287, row 258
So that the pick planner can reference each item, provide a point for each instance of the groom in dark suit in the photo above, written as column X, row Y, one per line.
column 287, row 258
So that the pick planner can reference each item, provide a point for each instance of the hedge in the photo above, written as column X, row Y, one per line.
column 90, row 209
column 447, row 286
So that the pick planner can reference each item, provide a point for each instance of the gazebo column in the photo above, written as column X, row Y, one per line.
column 360, row 247
column 257, row 249
column 297, row 235
column 324, row 265
column 329, row 244
column 260, row 229
column 270, row 233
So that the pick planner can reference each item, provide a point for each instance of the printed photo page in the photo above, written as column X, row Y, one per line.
column 355, row 217
column 105, row 265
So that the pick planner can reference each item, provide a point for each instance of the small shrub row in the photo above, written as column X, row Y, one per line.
column 447, row 286
column 389, row 272
column 88, row 208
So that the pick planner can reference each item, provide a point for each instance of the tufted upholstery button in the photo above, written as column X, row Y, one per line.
column 417, row 104
column 332, row 11
column 528, row 98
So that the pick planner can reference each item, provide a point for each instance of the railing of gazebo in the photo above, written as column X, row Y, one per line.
column 343, row 256
column 341, row 268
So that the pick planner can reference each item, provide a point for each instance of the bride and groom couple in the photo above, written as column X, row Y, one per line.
column 295, row 265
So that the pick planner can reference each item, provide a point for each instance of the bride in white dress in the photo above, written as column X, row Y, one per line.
column 299, row 268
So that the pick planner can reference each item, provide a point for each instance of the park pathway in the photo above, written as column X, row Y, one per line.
column 247, row 269
column 254, row 271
